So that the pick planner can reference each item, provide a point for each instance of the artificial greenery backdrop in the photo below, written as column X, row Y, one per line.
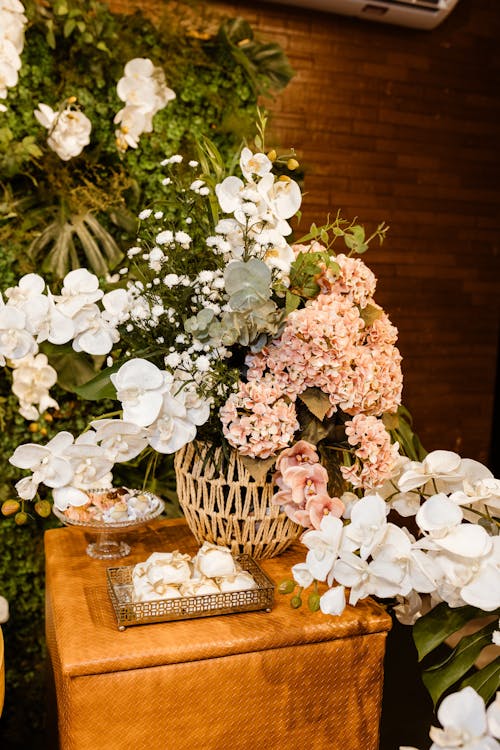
column 78, row 49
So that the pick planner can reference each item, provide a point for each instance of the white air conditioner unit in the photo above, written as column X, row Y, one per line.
column 418, row 14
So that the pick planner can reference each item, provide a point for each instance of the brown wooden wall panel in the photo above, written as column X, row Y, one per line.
column 403, row 125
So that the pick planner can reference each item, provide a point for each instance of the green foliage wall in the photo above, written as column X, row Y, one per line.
column 78, row 48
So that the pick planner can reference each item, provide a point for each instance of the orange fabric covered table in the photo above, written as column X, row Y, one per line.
column 285, row 679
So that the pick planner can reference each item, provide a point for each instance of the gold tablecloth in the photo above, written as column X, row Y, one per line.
column 285, row 679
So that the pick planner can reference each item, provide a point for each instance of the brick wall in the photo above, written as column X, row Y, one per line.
column 402, row 125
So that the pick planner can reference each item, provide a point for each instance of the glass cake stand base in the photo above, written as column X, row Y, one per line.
column 105, row 548
column 106, row 543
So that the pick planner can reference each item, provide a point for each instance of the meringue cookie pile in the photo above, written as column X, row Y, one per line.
column 170, row 575
column 108, row 506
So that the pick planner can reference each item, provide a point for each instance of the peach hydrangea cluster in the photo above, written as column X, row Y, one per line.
column 257, row 421
column 354, row 279
column 328, row 345
column 303, row 482
column 376, row 457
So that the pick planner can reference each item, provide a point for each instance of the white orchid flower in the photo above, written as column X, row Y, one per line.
column 172, row 429
column 13, row 23
column 254, row 164
column 67, row 496
column 285, row 197
column 466, row 540
column 89, row 463
column 32, row 377
column 46, row 322
column 409, row 608
column 69, row 130
column 438, row 515
column 140, row 386
column 324, row 545
column 47, row 462
column 444, row 467
column 228, row 194
column 116, row 306
column 280, row 256
column 483, row 590
column 29, row 297
column 93, row 333
column 143, row 85
column 333, row 602
column 120, row 440
column 365, row 579
column 132, row 121
column 15, row 341
column 302, row 575
column 479, row 487
column 368, row 524
column 30, row 286
column 197, row 408
column 80, row 288
column 137, row 87
column 465, row 723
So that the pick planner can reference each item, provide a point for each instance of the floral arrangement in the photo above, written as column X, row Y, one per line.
column 221, row 330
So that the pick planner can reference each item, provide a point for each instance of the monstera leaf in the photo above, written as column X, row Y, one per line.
column 457, row 667
column 264, row 62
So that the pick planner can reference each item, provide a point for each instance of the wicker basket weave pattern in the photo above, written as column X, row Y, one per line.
column 233, row 510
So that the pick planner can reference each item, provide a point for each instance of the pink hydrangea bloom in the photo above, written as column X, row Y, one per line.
column 326, row 345
column 375, row 455
column 257, row 422
column 355, row 280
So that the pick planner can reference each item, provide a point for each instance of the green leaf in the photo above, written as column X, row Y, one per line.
column 485, row 681
column 69, row 27
column 73, row 368
column 99, row 387
column 316, row 401
column 51, row 39
column 431, row 630
column 442, row 676
column 292, row 302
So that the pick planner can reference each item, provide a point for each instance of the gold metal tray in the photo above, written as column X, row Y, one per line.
column 128, row 612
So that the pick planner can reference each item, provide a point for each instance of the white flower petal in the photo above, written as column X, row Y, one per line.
column 464, row 711
column 332, row 601
column 69, row 496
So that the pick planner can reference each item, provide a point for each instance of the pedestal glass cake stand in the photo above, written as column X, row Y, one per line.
column 107, row 545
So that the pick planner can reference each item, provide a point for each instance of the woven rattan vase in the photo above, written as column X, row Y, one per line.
column 233, row 510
